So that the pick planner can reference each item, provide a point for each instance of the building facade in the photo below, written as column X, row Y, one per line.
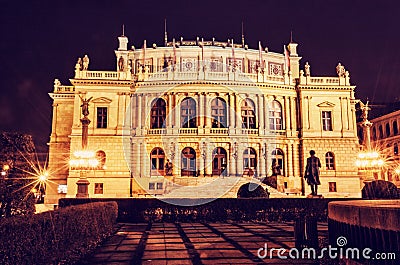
column 385, row 139
column 202, row 109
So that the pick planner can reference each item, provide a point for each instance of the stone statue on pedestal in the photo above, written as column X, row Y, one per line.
column 85, row 106
column 307, row 69
column 340, row 70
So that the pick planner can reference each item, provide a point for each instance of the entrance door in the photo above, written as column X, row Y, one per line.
column 219, row 161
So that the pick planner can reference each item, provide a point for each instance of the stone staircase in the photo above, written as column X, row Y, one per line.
column 212, row 187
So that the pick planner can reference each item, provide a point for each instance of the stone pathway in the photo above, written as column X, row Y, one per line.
column 196, row 243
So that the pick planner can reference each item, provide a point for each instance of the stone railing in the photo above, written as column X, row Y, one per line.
column 156, row 131
column 325, row 81
column 188, row 131
column 64, row 89
column 249, row 131
column 103, row 75
column 219, row 130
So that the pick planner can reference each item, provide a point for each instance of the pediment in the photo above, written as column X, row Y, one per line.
column 102, row 100
column 326, row 104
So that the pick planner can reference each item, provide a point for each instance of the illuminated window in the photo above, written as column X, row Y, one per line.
column 327, row 120
column 218, row 112
column 275, row 116
column 188, row 113
column 101, row 117
column 157, row 158
column 330, row 161
column 248, row 114
column 158, row 113
column 98, row 188
column 332, row 187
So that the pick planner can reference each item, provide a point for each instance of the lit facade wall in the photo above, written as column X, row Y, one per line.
column 212, row 110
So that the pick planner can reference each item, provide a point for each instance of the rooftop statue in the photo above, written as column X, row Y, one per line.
column 307, row 69
column 85, row 62
column 340, row 70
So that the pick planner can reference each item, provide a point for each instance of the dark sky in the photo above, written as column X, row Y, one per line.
column 41, row 40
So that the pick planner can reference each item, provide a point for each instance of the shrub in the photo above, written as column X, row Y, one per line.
column 52, row 237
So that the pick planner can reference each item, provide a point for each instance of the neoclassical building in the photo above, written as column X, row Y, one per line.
column 202, row 109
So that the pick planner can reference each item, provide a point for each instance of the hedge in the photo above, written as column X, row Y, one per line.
column 57, row 236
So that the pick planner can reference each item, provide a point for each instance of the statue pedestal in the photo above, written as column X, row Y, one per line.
column 83, row 185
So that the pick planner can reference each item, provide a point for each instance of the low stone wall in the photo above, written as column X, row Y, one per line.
column 373, row 224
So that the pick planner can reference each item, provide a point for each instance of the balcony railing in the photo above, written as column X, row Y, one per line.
column 64, row 89
column 188, row 131
column 156, row 131
column 249, row 131
column 219, row 130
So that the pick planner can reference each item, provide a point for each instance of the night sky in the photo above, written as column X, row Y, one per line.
column 41, row 40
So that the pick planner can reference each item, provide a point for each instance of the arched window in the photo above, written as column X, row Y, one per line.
column 188, row 162
column 275, row 115
column 387, row 129
column 330, row 161
column 218, row 112
column 157, row 158
column 395, row 149
column 374, row 133
column 395, row 128
column 248, row 114
column 188, row 113
column 219, row 161
column 380, row 132
column 158, row 112
column 249, row 159
column 101, row 157
column 277, row 159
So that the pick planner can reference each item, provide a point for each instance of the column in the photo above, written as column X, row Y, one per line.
column 176, row 161
column 231, row 161
column 177, row 109
column 238, row 125
column 145, row 161
column 231, row 110
column 287, row 114
column 200, row 109
column 170, row 115
column 266, row 113
column 139, row 112
column 239, row 161
column 138, row 170
column 144, row 111
column 208, row 111
column 133, row 107
column 261, row 161
column 260, row 106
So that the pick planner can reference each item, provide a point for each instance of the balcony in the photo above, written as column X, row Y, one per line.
column 250, row 131
column 188, row 131
column 219, row 130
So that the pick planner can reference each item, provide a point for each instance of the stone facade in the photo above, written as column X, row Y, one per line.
column 214, row 109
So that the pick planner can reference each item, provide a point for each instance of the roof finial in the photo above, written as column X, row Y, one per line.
column 123, row 30
column 291, row 36
column 165, row 32
column 242, row 36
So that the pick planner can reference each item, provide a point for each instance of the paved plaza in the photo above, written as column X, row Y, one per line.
column 197, row 243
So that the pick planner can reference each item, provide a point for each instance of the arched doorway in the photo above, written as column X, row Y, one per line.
column 219, row 161
column 188, row 162
column 157, row 158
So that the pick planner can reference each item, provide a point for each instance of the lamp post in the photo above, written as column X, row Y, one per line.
column 368, row 160
column 84, row 159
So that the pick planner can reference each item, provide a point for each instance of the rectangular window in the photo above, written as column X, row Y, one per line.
column 98, row 188
column 159, row 185
column 101, row 117
column 152, row 186
column 332, row 187
column 327, row 120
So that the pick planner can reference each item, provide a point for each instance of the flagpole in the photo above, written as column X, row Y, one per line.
column 144, row 53
column 165, row 33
